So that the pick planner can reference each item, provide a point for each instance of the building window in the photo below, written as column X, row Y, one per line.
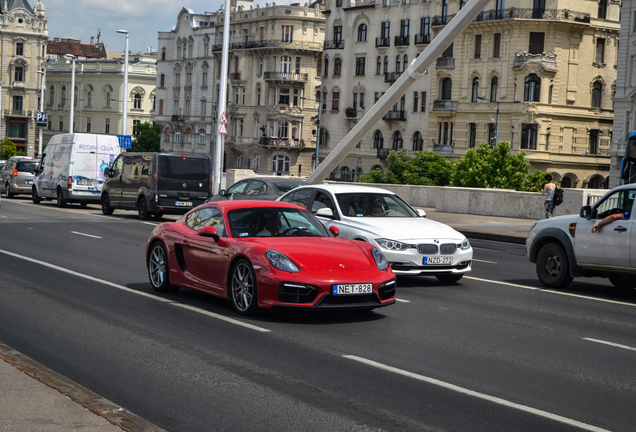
column 496, row 45
column 385, row 32
column 335, row 103
column 378, row 66
column 106, row 129
column 445, row 133
column 108, row 99
column 256, row 161
column 477, row 46
column 446, row 89
column 494, row 86
column 61, row 125
column 600, row 51
column 550, row 93
column 425, row 29
column 386, row 64
column 423, row 106
column 418, row 142
column 297, row 65
column 475, row 90
column 17, row 103
column 594, row 133
column 360, row 66
column 88, row 125
column 536, row 43
column 398, row 63
column 239, row 160
column 416, row 101
column 405, row 62
column 529, row 136
column 532, row 88
column 280, row 163
column 337, row 34
column 602, row 9
column 19, row 49
column 404, row 28
column 326, row 69
column 161, row 107
column 337, row 67
column 492, row 134
column 283, row 129
column 362, row 33
column 378, row 140
column 288, row 33
column 283, row 97
column 397, row 140
column 597, row 91
column 19, row 74
column 472, row 136
column 52, row 95
column 137, row 101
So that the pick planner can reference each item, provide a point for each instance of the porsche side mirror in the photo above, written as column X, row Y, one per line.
column 586, row 212
column 222, row 192
column 334, row 230
column 421, row 212
column 325, row 212
column 209, row 231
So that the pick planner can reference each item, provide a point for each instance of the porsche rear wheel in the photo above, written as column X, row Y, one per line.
column 243, row 291
column 158, row 270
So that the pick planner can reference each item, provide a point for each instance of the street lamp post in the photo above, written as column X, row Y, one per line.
column 124, row 114
column 72, row 109
column 41, row 110
column 497, row 117
column 213, row 142
column 320, row 102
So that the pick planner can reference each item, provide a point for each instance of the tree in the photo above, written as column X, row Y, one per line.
column 420, row 168
column 7, row 149
column 146, row 138
column 496, row 167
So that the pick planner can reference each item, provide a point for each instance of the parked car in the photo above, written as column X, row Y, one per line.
column 73, row 167
column 17, row 175
column 564, row 247
column 412, row 243
column 156, row 183
column 261, row 188
column 219, row 248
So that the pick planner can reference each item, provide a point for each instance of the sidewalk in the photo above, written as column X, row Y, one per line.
column 36, row 399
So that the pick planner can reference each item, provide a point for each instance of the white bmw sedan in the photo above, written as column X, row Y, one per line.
column 411, row 243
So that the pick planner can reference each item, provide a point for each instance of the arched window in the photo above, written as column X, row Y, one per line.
column 326, row 69
column 108, row 99
column 397, row 140
column 378, row 67
column 597, row 92
column 52, row 96
column 137, row 101
column 162, row 81
column 378, row 140
column 405, row 62
column 280, row 163
column 494, row 86
column 337, row 67
column 362, row 33
column 566, row 182
column 446, row 89
column 418, row 142
column 398, row 63
column 475, row 90
column 532, row 88
column 89, row 99
column 239, row 160
column 386, row 64
column 163, row 53
column 63, row 95
column 160, row 106
column 256, row 161
column 594, row 183
column 177, row 136
column 202, row 136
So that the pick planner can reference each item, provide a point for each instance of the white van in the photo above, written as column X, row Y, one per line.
column 72, row 168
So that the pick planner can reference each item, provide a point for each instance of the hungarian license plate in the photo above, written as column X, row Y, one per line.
column 363, row 288
column 183, row 203
column 85, row 182
column 438, row 260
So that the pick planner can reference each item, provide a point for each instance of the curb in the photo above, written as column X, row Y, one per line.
column 93, row 402
column 494, row 237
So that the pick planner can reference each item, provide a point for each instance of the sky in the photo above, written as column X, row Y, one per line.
column 80, row 19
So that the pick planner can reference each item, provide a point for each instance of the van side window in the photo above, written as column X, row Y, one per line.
column 117, row 166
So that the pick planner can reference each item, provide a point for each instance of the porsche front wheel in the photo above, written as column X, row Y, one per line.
column 243, row 292
column 158, row 269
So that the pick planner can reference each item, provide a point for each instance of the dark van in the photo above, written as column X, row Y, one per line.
column 156, row 183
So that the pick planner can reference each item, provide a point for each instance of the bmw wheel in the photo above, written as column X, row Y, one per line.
column 158, row 269
column 553, row 268
column 243, row 288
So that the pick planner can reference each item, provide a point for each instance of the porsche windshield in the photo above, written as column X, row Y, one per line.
column 274, row 222
column 373, row 205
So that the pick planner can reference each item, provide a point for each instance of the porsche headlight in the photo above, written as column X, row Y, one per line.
column 392, row 244
column 380, row 259
column 465, row 245
column 280, row 261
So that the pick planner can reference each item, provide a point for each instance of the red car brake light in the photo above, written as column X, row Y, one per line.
column 70, row 182
column 15, row 173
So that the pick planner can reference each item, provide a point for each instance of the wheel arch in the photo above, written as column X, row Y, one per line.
column 230, row 268
column 554, row 235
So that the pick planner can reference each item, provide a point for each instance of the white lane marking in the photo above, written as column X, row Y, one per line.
column 484, row 261
column 150, row 223
column 87, row 235
column 402, row 300
column 610, row 343
column 123, row 288
column 550, row 291
column 478, row 395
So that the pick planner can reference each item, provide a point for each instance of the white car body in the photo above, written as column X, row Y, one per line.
column 433, row 238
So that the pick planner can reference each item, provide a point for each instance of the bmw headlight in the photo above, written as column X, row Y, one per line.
column 380, row 259
column 280, row 261
column 392, row 244
column 465, row 245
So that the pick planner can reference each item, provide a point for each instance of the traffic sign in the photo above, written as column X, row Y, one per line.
column 125, row 141
column 42, row 119
column 222, row 129
column 222, row 119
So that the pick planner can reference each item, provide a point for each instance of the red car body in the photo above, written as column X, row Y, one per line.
column 199, row 260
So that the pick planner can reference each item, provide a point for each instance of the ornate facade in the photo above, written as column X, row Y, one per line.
column 23, row 36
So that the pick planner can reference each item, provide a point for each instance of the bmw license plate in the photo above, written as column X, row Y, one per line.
column 183, row 203
column 438, row 260
column 363, row 288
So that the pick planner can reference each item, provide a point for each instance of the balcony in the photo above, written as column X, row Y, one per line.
column 516, row 13
column 382, row 43
column 422, row 39
column 445, row 105
column 445, row 63
column 443, row 149
column 282, row 142
column 391, row 77
column 177, row 118
column 383, row 153
column 335, row 44
column 395, row 116
column 402, row 41
column 286, row 76
column 314, row 46
column 546, row 60
column 235, row 76
column 17, row 113
column 351, row 113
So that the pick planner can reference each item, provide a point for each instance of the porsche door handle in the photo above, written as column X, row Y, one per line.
column 620, row 228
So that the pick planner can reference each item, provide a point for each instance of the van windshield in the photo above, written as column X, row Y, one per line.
column 180, row 168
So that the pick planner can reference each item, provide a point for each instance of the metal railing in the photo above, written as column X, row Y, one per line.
column 421, row 39
column 443, row 149
column 395, row 116
column 271, row 44
column 512, row 13
column 177, row 118
column 392, row 76
column 382, row 43
column 334, row 44
column 445, row 63
column 285, row 76
column 402, row 40
column 282, row 142
column 445, row 105
column 548, row 59
column 383, row 153
column 235, row 76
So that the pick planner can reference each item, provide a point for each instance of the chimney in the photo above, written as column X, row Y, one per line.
column 92, row 40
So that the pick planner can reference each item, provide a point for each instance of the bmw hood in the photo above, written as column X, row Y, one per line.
column 408, row 230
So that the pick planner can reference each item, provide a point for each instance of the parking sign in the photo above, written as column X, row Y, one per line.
column 42, row 119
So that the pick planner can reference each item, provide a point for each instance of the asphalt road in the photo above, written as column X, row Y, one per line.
column 495, row 352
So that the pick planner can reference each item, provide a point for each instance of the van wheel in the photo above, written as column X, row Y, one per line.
column 7, row 191
column 553, row 268
column 142, row 209
column 61, row 202
column 36, row 196
column 106, row 208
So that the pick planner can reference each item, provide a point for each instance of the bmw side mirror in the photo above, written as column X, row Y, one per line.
column 421, row 212
column 325, row 212
column 586, row 212
column 209, row 231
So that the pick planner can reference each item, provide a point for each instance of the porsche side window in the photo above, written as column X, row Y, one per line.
column 209, row 216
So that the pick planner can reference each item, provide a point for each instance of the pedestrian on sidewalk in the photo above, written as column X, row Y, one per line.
column 548, row 190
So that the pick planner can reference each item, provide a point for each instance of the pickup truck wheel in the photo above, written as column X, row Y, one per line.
column 623, row 282
column 553, row 268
